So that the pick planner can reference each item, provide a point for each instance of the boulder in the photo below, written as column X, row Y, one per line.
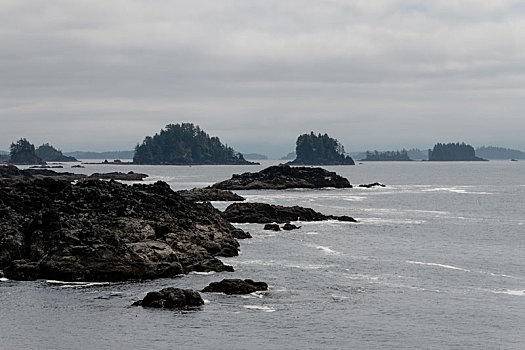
column 262, row 213
column 289, row 227
column 117, row 175
column 284, row 176
column 235, row 286
column 209, row 194
column 107, row 231
column 171, row 298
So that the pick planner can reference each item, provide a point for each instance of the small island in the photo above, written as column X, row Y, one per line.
column 320, row 149
column 453, row 152
column 24, row 152
column 397, row 156
column 185, row 144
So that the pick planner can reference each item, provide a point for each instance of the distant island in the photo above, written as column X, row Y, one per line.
column 24, row 152
column 101, row 155
column 491, row 152
column 320, row 149
column 387, row 156
column 49, row 153
column 289, row 156
column 255, row 156
column 185, row 144
column 453, row 152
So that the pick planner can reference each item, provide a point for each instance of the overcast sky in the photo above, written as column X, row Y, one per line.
column 375, row 74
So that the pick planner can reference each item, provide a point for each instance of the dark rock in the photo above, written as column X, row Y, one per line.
column 289, row 227
column 263, row 213
column 282, row 177
column 45, row 166
column 209, row 194
column 171, row 298
column 272, row 227
column 241, row 234
column 372, row 185
column 106, row 231
column 78, row 166
column 235, row 286
column 116, row 175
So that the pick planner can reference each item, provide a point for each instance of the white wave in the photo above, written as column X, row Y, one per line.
column 358, row 276
column 324, row 249
column 383, row 221
column 261, row 308
column 3, row 279
column 202, row 273
column 206, row 301
column 454, row 190
column 519, row 293
column 85, row 284
column 311, row 233
column 354, row 198
column 280, row 264
column 438, row 265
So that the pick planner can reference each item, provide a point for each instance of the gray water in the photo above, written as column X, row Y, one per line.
column 436, row 262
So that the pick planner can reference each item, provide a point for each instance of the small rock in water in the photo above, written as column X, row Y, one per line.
column 372, row 185
column 272, row 227
column 171, row 298
column 235, row 286
column 288, row 227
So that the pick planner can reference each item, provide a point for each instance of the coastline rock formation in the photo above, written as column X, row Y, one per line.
column 375, row 184
column 283, row 176
column 235, row 286
column 262, row 213
column 171, row 298
column 209, row 195
column 117, row 175
column 106, row 231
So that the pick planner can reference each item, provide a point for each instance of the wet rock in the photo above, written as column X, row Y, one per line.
column 171, row 298
column 209, row 194
column 372, row 185
column 117, row 175
column 235, row 286
column 272, row 227
column 282, row 177
column 263, row 213
column 289, row 227
column 107, row 231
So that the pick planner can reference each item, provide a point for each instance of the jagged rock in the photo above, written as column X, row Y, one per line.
column 289, row 227
column 263, row 213
column 107, row 231
column 284, row 176
column 78, row 166
column 235, row 286
column 209, row 194
column 372, row 185
column 171, row 298
column 272, row 227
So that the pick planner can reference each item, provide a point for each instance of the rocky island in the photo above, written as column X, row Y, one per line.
column 320, row 149
column 453, row 152
column 106, row 231
column 279, row 177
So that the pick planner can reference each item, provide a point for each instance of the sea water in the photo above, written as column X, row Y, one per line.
column 435, row 262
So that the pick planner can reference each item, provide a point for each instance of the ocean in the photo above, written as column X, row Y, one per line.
column 436, row 262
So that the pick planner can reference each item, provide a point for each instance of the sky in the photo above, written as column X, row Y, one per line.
column 375, row 74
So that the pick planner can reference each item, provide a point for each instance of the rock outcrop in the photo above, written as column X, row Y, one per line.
column 106, row 231
column 283, row 176
column 14, row 173
column 375, row 184
column 171, row 298
column 262, row 213
column 210, row 194
column 117, row 175
column 235, row 286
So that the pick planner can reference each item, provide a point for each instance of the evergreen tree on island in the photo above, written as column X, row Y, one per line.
column 185, row 144
column 49, row 153
column 320, row 149
column 453, row 152
column 23, row 152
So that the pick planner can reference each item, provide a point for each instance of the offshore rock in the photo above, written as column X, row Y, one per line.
column 107, row 231
column 283, row 176
column 235, row 286
column 171, row 298
column 272, row 227
column 262, row 213
column 210, row 194
column 117, row 175
column 372, row 185
column 289, row 227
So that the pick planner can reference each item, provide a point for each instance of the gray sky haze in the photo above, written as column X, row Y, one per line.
column 377, row 74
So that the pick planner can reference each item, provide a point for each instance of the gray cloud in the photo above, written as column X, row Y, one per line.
column 375, row 74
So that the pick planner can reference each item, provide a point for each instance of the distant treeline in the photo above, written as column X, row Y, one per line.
column 490, row 152
column 387, row 156
column 255, row 156
column 24, row 152
column 320, row 149
column 452, row 152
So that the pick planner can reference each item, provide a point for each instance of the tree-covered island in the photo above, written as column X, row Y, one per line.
column 401, row 156
column 320, row 149
column 453, row 152
column 185, row 144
